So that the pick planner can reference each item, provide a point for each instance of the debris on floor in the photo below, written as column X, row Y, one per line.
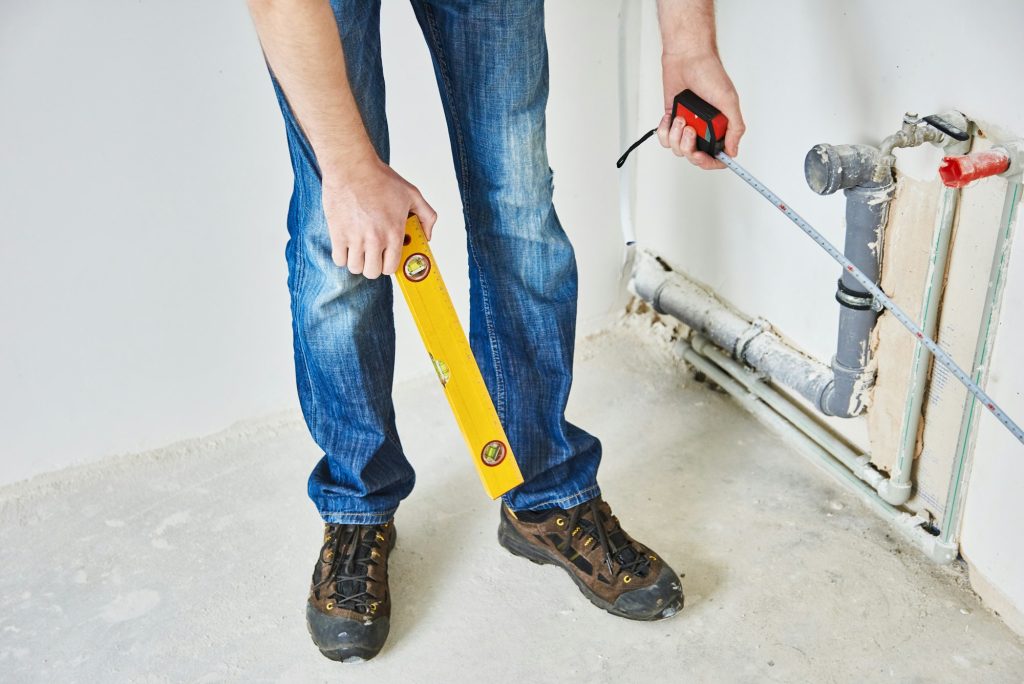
column 191, row 563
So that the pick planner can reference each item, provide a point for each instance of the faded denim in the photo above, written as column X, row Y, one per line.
column 490, row 59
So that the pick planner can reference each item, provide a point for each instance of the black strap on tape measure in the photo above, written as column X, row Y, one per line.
column 638, row 143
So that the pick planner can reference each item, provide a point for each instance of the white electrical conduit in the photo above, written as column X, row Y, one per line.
column 979, row 371
column 858, row 464
column 629, row 24
column 899, row 485
column 751, row 392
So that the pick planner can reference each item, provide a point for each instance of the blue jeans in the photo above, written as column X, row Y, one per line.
column 490, row 59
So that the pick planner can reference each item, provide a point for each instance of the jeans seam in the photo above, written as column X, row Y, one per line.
column 555, row 502
column 369, row 517
column 492, row 338
column 300, row 274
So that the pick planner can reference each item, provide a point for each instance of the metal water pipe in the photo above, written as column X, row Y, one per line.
column 914, row 131
column 835, row 390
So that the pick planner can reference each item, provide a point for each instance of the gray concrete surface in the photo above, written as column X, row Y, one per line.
column 191, row 564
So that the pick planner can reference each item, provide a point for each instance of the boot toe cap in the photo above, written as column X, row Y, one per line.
column 345, row 639
column 661, row 599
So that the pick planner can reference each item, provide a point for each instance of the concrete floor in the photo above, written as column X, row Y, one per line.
column 191, row 564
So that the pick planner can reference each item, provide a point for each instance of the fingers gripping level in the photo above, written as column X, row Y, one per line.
column 446, row 343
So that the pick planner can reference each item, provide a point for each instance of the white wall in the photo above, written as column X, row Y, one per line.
column 994, row 511
column 809, row 72
column 144, row 183
column 141, row 275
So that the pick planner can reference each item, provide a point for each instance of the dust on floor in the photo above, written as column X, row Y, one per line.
column 191, row 564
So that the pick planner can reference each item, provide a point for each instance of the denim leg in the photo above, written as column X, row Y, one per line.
column 342, row 324
column 490, row 59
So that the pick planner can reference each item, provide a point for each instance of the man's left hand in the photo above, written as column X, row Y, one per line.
column 704, row 75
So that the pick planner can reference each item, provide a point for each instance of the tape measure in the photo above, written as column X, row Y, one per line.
column 711, row 126
column 709, row 123
column 431, row 306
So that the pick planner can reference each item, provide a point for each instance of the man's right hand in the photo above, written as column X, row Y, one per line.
column 366, row 203
column 366, row 207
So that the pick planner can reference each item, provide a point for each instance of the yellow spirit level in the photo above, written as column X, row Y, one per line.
column 446, row 343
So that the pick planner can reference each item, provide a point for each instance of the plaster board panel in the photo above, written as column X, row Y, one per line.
column 907, row 248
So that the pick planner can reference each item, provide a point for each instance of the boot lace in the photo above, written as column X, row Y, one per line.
column 609, row 534
column 349, row 552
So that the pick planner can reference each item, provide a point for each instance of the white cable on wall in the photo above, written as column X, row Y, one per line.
column 629, row 25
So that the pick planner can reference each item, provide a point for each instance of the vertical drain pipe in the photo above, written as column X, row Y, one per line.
column 851, row 168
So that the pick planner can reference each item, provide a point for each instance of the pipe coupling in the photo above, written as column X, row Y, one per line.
column 758, row 326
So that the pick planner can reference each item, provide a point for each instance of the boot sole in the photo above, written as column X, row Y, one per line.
column 513, row 542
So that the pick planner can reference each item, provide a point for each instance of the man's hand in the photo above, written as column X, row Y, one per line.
column 366, row 203
column 366, row 209
column 690, row 60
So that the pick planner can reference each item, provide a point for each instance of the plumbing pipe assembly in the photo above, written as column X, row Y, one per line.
column 866, row 176
column 881, row 299
column 897, row 488
column 746, row 358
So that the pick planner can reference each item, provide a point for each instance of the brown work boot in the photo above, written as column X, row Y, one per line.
column 349, row 609
column 614, row 571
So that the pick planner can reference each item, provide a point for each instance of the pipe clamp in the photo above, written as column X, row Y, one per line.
column 854, row 299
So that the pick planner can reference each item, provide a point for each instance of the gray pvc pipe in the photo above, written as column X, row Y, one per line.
column 834, row 391
column 829, row 168
column 751, row 342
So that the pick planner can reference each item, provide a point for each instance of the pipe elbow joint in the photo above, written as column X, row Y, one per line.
column 648, row 279
column 830, row 168
column 894, row 493
column 841, row 396
column 826, row 400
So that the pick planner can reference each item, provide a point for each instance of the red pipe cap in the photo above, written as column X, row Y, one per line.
column 956, row 172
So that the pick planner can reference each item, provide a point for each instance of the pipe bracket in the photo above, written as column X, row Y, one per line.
column 854, row 299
